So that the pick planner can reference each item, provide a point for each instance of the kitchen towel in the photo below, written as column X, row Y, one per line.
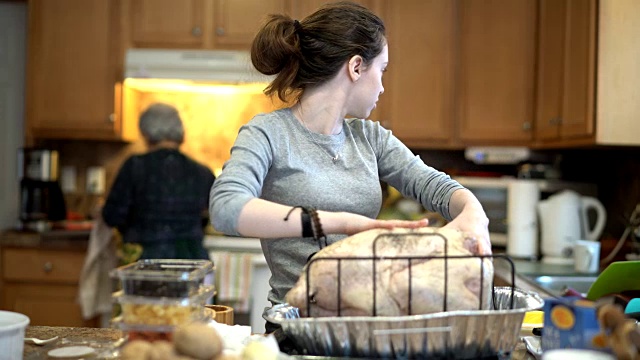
column 95, row 287
column 233, row 278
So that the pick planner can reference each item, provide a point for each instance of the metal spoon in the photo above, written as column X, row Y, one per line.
column 39, row 341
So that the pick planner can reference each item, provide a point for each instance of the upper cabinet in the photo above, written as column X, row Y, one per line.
column 197, row 24
column 461, row 72
column 566, row 72
column 167, row 23
column 495, row 78
column 74, row 64
column 302, row 8
column 419, row 82
column 588, row 73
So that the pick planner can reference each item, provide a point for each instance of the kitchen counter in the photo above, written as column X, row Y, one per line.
column 98, row 337
column 104, row 337
column 55, row 239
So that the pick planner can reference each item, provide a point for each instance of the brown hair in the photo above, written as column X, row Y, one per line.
column 310, row 52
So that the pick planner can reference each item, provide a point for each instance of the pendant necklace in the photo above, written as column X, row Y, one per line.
column 335, row 157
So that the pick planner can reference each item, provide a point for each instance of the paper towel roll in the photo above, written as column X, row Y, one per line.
column 522, row 219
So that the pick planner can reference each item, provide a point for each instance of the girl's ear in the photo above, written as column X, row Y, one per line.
column 355, row 67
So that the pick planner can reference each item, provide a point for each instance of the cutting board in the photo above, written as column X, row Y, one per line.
column 618, row 276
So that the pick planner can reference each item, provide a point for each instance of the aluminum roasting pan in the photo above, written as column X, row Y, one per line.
column 454, row 334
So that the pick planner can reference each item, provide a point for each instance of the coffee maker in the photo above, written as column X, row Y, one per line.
column 41, row 198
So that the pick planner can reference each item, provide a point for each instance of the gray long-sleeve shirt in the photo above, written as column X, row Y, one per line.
column 276, row 158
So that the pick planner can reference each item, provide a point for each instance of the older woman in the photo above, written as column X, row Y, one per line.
column 159, row 198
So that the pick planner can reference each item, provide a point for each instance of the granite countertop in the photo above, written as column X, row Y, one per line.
column 96, row 337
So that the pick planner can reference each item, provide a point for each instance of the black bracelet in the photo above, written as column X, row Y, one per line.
column 305, row 218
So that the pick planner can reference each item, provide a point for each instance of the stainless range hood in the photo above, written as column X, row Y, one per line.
column 217, row 66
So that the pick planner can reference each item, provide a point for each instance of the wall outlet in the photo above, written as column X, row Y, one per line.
column 96, row 178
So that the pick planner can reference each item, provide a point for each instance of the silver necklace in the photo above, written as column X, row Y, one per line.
column 335, row 157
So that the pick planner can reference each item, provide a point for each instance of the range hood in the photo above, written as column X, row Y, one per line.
column 217, row 66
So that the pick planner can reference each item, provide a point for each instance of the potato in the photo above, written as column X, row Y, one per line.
column 136, row 350
column 161, row 350
column 197, row 340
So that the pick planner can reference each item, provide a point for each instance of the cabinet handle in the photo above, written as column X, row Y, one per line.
column 555, row 121
column 220, row 31
column 526, row 126
column 111, row 118
column 47, row 267
column 196, row 31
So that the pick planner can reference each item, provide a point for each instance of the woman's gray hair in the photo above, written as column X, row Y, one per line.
column 161, row 122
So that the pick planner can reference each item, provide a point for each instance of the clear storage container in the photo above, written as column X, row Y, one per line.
column 143, row 310
column 165, row 277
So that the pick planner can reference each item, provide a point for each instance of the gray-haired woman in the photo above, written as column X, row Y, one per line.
column 158, row 198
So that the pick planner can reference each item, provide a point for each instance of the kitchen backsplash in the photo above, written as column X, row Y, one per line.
column 616, row 171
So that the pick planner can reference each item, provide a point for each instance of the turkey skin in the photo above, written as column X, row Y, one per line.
column 403, row 286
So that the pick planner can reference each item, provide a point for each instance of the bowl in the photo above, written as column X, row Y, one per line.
column 222, row 314
column 12, row 328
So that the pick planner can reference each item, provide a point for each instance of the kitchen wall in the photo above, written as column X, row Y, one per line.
column 13, row 20
column 616, row 172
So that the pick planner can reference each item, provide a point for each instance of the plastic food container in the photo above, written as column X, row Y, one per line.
column 165, row 277
column 142, row 310
column 148, row 333
column 12, row 328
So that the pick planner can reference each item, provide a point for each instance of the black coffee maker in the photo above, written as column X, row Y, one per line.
column 41, row 198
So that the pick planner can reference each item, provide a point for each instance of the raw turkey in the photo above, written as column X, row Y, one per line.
column 465, row 276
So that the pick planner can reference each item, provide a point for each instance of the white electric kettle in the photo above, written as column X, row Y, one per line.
column 563, row 220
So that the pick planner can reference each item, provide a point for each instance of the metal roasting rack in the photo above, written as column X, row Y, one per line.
column 375, row 259
column 449, row 334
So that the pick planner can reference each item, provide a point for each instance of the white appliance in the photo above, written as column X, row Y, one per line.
column 511, row 206
column 226, row 66
column 564, row 220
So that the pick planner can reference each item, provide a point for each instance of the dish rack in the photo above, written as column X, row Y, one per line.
column 460, row 334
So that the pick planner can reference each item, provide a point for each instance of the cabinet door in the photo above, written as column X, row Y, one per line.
column 236, row 22
column 495, row 95
column 419, row 82
column 566, row 70
column 167, row 23
column 45, row 304
column 303, row 8
column 73, row 63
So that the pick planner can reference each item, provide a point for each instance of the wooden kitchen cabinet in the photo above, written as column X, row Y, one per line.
column 496, row 71
column 566, row 72
column 419, row 82
column 167, row 23
column 302, row 8
column 588, row 73
column 43, row 284
column 74, row 63
column 461, row 72
column 197, row 24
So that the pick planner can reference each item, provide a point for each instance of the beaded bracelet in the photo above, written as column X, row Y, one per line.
column 317, row 227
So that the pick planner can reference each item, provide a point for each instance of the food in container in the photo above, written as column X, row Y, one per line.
column 148, row 333
column 165, row 277
column 142, row 310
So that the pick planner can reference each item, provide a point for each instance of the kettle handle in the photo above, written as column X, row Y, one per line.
column 591, row 202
